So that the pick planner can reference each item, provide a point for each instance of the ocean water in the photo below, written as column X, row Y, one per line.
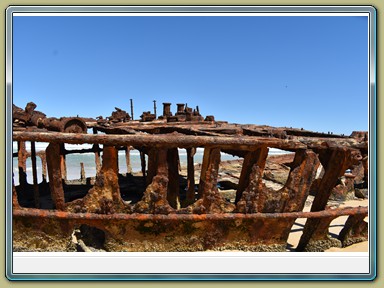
column 88, row 159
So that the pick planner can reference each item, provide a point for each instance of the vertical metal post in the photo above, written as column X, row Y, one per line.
column 173, row 196
column 34, row 174
column 82, row 172
column 128, row 159
column 190, row 176
column 54, row 173
column 152, row 165
column 97, row 154
column 132, row 109
column 143, row 165
column 257, row 157
column 62, row 162
column 21, row 155
column 209, row 170
column 44, row 167
column 15, row 201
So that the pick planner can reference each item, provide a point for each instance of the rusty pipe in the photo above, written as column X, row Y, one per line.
column 39, row 213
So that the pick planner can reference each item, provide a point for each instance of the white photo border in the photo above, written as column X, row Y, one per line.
column 51, row 259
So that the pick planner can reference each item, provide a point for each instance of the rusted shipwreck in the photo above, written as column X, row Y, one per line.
column 169, row 215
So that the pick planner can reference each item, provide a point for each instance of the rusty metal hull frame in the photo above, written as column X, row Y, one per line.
column 260, row 219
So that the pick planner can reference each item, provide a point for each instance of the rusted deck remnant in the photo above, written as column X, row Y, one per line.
column 172, row 217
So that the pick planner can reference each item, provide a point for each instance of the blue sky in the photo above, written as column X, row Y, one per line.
column 303, row 72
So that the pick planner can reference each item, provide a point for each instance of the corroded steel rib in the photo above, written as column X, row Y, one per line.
column 190, row 197
column 22, row 158
column 173, row 177
column 31, row 212
column 164, row 140
column 54, row 173
column 335, row 166
column 257, row 158
column 210, row 200
column 355, row 230
column 300, row 178
column 174, row 140
column 105, row 196
column 34, row 175
column 331, row 143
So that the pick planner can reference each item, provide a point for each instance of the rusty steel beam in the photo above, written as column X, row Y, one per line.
column 300, row 178
column 292, row 197
column 43, row 158
column 36, row 193
column 313, row 139
column 332, row 143
column 210, row 200
column 39, row 213
column 253, row 197
column 82, row 172
column 22, row 164
column 152, row 165
column 319, row 237
column 96, row 149
column 104, row 197
column 154, row 200
column 164, row 140
column 15, row 200
column 82, row 151
column 335, row 165
column 340, row 160
column 173, row 196
column 128, row 159
column 143, row 165
column 204, row 168
column 63, row 162
column 257, row 158
column 54, row 173
column 355, row 230
column 187, row 141
column 190, row 197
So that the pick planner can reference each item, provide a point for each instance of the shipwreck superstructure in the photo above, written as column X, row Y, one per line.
column 160, row 209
